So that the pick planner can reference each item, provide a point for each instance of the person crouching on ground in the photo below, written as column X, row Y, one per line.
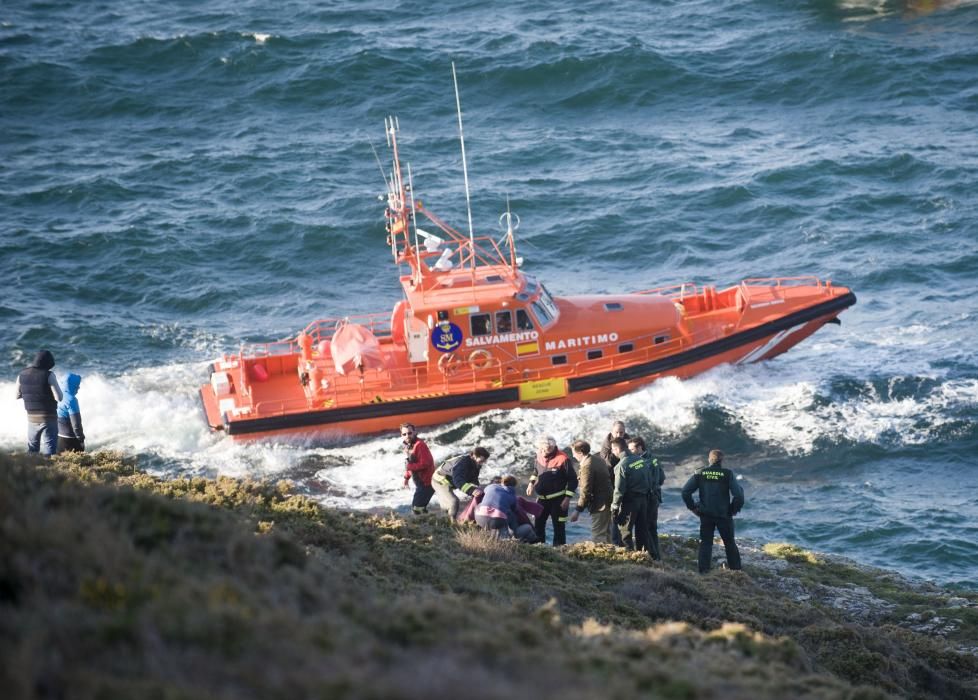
column 595, row 491
column 461, row 473
column 720, row 498
column 71, row 436
column 630, row 499
column 419, row 467
column 497, row 511
column 554, row 485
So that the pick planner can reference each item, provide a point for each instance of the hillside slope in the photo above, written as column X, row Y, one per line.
column 116, row 584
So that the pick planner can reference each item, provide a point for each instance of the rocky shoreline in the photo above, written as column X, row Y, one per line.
column 114, row 583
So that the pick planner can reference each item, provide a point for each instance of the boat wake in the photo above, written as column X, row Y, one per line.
column 788, row 408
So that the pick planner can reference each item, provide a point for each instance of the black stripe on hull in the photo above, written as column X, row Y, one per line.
column 717, row 347
column 373, row 410
column 510, row 395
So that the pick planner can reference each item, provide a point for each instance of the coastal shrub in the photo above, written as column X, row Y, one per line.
column 790, row 552
column 481, row 543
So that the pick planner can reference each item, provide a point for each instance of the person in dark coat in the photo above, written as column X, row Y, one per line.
column 630, row 499
column 71, row 435
column 39, row 389
column 636, row 446
column 720, row 498
column 607, row 454
column 595, row 485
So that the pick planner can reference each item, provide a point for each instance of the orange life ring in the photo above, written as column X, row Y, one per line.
column 480, row 359
column 447, row 364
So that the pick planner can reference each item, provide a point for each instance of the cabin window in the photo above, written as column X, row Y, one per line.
column 559, row 359
column 594, row 354
column 494, row 278
column 626, row 347
column 442, row 315
column 660, row 339
column 613, row 306
column 504, row 321
column 548, row 302
column 543, row 316
column 523, row 321
column 481, row 324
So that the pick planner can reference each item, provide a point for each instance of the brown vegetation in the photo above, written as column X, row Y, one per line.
column 117, row 584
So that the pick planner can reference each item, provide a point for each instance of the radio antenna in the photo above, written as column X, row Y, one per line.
column 465, row 169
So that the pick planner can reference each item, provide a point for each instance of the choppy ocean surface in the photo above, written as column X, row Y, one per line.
column 179, row 178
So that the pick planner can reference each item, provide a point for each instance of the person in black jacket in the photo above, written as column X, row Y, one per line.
column 39, row 389
column 636, row 446
column 720, row 498
column 618, row 431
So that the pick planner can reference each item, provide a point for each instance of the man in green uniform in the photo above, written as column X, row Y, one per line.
column 720, row 498
column 636, row 446
column 630, row 498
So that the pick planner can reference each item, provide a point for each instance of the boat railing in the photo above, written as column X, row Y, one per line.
column 323, row 329
column 774, row 285
column 675, row 291
column 475, row 252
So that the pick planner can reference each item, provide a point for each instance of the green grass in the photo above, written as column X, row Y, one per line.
column 116, row 584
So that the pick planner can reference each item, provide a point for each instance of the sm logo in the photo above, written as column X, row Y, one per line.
column 446, row 336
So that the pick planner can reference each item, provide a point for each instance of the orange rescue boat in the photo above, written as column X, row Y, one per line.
column 474, row 332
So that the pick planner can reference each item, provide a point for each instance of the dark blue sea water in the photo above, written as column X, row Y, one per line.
column 177, row 178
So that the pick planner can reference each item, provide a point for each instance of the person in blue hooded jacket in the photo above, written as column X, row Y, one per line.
column 71, row 436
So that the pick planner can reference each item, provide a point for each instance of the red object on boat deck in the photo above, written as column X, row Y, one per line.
column 355, row 348
column 259, row 373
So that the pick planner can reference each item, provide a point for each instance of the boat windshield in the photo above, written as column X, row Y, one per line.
column 548, row 302
column 543, row 316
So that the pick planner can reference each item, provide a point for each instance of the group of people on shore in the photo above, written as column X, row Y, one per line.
column 54, row 421
column 620, row 486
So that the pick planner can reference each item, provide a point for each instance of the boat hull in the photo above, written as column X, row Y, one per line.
column 755, row 343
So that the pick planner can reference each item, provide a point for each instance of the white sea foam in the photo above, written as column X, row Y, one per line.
column 787, row 404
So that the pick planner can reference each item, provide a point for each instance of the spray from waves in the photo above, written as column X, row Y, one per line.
column 789, row 406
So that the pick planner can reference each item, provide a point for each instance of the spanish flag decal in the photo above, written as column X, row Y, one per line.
column 531, row 348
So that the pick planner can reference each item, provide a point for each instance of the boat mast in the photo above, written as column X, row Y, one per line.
column 414, row 223
column 465, row 169
column 510, row 239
